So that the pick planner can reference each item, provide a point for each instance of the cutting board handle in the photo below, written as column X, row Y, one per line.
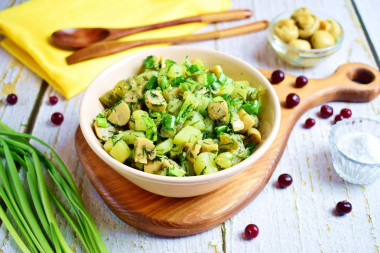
column 175, row 217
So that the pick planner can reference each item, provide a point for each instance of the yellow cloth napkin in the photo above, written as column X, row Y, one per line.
column 28, row 27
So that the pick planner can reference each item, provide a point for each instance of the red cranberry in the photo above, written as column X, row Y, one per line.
column 309, row 123
column 57, row 118
column 301, row 81
column 53, row 100
column 12, row 99
column 326, row 111
column 251, row 231
column 346, row 113
column 284, row 180
column 338, row 118
column 292, row 100
column 343, row 207
column 277, row 76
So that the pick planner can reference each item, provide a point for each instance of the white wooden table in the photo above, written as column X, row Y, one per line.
column 296, row 219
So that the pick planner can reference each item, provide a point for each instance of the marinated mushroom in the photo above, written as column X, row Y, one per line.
column 322, row 39
column 300, row 44
column 120, row 114
column 312, row 27
column 299, row 12
column 155, row 101
column 334, row 29
column 144, row 149
column 286, row 30
column 218, row 110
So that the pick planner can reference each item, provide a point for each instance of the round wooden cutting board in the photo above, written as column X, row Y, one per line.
column 175, row 217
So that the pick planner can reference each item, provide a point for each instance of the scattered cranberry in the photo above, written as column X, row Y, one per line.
column 251, row 231
column 338, row 118
column 309, row 123
column 343, row 207
column 346, row 113
column 277, row 76
column 326, row 111
column 301, row 81
column 57, row 118
column 284, row 180
column 53, row 100
column 292, row 100
column 12, row 99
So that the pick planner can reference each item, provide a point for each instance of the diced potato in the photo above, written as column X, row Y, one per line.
column 236, row 122
column 249, row 120
column 174, row 106
column 188, row 134
column 153, row 166
column 199, row 62
column 225, row 160
column 205, row 164
column 227, row 89
column 227, row 141
column 120, row 151
column 139, row 113
column 217, row 70
column 240, row 93
column 129, row 136
column 209, row 125
column 254, row 135
column 120, row 114
column 164, row 147
column 108, row 145
column 171, row 93
column 174, row 71
column 195, row 119
column 242, row 84
column 209, row 145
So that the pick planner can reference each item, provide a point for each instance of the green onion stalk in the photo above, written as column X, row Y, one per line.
column 31, row 220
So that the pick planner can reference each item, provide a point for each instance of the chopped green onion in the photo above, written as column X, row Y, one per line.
column 215, row 86
column 184, row 86
column 168, row 122
column 211, row 78
column 194, row 68
column 174, row 172
column 169, row 62
column 252, row 108
column 177, row 81
column 220, row 129
column 102, row 122
column 164, row 83
column 100, row 115
column 149, row 62
column 222, row 79
column 152, row 83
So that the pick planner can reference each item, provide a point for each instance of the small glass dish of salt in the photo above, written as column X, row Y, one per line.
column 355, row 150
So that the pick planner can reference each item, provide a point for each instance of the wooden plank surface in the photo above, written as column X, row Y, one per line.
column 296, row 219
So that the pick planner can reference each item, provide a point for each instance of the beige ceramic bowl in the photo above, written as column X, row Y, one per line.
column 173, row 186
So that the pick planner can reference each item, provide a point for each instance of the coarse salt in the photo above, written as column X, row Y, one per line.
column 362, row 147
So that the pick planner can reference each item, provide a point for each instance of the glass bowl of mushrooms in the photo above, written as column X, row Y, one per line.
column 303, row 38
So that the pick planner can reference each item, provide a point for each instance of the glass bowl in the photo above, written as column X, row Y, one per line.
column 300, row 57
column 354, row 145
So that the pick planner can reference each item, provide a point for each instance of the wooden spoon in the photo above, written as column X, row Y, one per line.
column 83, row 37
column 110, row 47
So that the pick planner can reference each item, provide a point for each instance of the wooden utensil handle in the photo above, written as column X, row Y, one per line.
column 208, row 18
column 111, row 47
column 225, row 16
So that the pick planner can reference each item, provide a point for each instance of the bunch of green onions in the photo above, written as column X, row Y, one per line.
column 30, row 204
